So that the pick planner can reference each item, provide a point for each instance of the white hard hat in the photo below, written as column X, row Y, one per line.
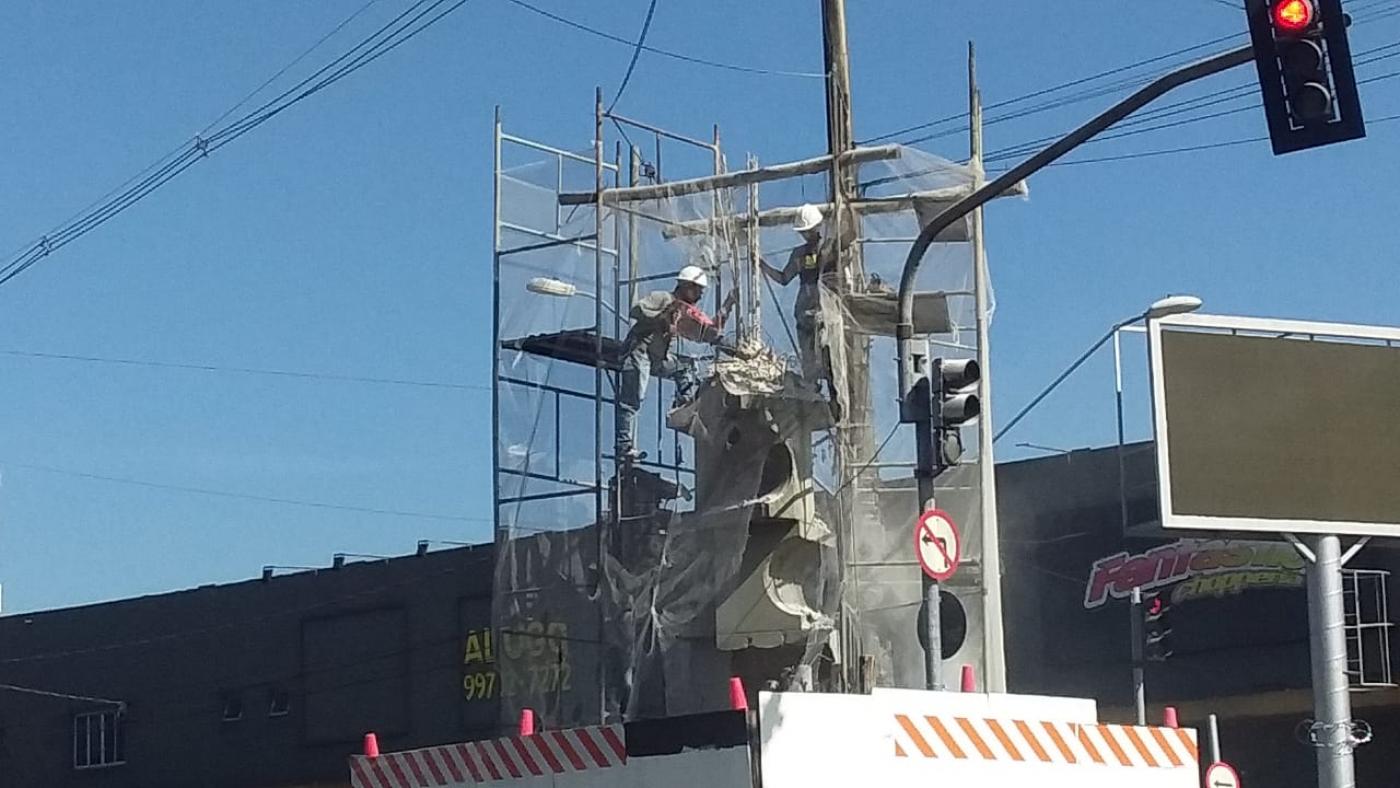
column 695, row 275
column 808, row 218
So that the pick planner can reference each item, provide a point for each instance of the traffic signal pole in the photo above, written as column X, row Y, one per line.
column 912, row 370
column 1139, row 657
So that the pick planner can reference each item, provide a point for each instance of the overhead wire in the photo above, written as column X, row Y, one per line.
column 375, row 46
column 1052, row 88
column 1226, row 95
column 165, row 159
column 1078, row 96
column 563, row 20
column 242, row 496
column 286, row 373
column 636, row 53
column 1192, row 148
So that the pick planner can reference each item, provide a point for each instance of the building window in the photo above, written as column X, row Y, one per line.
column 279, row 702
column 98, row 739
column 233, row 706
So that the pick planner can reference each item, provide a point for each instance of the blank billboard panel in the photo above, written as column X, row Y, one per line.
column 1283, row 427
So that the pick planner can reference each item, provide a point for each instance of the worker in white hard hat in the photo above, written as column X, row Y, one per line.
column 813, row 262
column 656, row 320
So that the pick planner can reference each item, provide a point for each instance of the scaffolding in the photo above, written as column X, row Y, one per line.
column 762, row 535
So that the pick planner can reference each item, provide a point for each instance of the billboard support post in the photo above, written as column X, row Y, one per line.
column 1332, row 727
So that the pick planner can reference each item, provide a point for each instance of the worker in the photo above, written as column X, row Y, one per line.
column 656, row 320
column 813, row 262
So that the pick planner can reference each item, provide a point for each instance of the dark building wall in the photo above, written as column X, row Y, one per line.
column 1240, row 647
column 371, row 646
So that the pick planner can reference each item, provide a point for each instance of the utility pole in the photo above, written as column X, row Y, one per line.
column 855, row 444
column 993, row 645
column 839, row 128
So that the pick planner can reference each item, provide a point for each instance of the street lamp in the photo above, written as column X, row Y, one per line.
column 1171, row 305
column 558, row 288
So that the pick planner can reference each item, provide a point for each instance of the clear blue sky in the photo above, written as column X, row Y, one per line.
column 351, row 236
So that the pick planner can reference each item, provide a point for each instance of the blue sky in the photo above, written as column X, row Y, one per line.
column 350, row 236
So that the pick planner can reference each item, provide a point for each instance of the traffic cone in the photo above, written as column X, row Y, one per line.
column 371, row 745
column 738, row 699
column 969, row 679
column 1169, row 717
column 527, row 722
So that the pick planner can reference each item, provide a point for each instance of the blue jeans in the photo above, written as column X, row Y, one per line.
column 637, row 371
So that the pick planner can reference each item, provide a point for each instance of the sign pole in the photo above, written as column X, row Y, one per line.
column 1136, row 627
column 938, row 547
column 924, row 471
column 1214, row 726
column 1331, row 731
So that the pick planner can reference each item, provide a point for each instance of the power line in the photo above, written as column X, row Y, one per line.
column 374, row 46
column 1053, row 88
column 1079, row 96
column 245, row 370
column 664, row 53
column 165, row 159
column 323, row 39
column 1244, row 91
column 243, row 496
column 632, row 64
column 1194, row 148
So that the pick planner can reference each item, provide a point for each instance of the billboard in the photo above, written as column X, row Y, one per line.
column 1276, row 425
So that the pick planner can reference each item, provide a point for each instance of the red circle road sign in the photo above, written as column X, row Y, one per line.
column 937, row 544
column 1222, row 775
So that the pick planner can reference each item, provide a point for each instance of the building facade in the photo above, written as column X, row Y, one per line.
column 269, row 682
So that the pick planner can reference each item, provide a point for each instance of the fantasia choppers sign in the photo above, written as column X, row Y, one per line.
column 1199, row 568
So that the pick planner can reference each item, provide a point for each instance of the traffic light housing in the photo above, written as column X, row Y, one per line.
column 1156, row 627
column 1305, row 73
column 954, row 404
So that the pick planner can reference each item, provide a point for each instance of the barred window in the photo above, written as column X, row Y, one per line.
column 98, row 739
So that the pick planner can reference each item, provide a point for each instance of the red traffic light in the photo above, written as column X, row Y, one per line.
column 1293, row 16
column 1155, row 606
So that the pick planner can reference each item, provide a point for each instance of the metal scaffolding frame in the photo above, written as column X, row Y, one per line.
column 614, row 252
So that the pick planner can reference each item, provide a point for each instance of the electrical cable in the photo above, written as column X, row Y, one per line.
column 241, row 496
column 1052, row 88
column 1193, row 148
column 164, row 160
column 200, row 147
column 636, row 53
column 1074, row 98
column 245, row 370
column 1236, row 93
column 323, row 39
column 662, row 52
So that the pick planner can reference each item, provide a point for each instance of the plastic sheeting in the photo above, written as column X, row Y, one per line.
column 624, row 593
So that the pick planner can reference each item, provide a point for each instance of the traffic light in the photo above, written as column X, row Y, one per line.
column 954, row 404
column 1156, row 627
column 1305, row 72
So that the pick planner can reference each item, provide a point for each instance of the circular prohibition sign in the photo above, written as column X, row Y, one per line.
column 937, row 544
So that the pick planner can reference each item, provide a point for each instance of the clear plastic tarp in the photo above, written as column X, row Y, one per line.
column 766, row 532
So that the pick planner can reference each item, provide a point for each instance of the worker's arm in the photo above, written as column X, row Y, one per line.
column 786, row 275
